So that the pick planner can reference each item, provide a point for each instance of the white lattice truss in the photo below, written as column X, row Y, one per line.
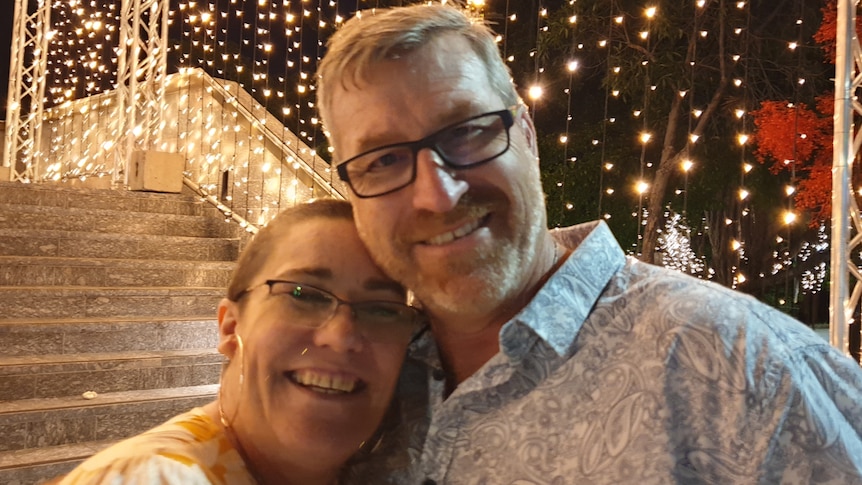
column 846, row 222
column 31, row 34
column 141, row 74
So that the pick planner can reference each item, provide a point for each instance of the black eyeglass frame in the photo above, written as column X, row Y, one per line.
column 507, row 115
column 350, row 304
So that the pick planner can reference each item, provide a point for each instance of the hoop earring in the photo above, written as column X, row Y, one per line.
column 221, row 415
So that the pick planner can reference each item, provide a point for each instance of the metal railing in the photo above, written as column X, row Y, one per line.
column 238, row 156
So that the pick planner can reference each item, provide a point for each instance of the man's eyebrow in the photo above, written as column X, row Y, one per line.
column 458, row 112
column 377, row 140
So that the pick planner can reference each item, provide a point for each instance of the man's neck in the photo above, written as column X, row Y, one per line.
column 464, row 353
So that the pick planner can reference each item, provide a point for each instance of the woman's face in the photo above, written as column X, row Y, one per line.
column 315, row 392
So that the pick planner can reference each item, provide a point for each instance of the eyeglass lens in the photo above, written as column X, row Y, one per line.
column 389, row 168
column 313, row 307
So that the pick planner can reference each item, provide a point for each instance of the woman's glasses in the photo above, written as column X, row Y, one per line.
column 309, row 306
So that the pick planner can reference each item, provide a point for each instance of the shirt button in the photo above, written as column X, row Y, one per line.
column 438, row 375
column 428, row 481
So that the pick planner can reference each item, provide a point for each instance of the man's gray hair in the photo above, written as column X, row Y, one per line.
column 377, row 35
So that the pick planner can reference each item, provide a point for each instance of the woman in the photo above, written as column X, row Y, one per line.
column 314, row 335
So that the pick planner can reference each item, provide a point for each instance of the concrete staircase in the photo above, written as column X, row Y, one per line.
column 106, row 291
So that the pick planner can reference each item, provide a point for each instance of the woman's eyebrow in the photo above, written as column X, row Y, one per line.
column 317, row 272
column 385, row 285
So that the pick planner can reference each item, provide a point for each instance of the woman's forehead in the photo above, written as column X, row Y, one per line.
column 320, row 248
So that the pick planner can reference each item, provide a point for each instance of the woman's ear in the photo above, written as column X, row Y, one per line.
column 228, row 318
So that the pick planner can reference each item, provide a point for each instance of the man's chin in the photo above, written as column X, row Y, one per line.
column 476, row 293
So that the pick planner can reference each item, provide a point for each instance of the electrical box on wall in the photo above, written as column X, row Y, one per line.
column 156, row 171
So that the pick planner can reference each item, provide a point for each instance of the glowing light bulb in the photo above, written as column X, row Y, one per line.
column 535, row 92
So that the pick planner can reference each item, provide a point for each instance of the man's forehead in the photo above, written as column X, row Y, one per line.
column 401, row 127
column 423, row 90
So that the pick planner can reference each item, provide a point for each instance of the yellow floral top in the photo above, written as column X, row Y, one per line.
column 190, row 449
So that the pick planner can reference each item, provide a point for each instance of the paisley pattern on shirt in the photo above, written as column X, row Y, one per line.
column 190, row 449
column 623, row 372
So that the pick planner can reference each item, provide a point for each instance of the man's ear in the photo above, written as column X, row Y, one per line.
column 228, row 318
column 529, row 131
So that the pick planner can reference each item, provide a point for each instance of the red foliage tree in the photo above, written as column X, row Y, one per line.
column 800, row 138
column 825, row 35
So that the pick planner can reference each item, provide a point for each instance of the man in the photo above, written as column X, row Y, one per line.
column 553, row 358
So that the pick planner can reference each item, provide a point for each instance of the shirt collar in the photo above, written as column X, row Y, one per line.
column 563, row 304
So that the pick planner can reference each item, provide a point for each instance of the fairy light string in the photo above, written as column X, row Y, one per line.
column 604, row 164
column 83, row 64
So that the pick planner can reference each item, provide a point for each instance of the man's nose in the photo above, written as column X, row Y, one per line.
column 436, row 189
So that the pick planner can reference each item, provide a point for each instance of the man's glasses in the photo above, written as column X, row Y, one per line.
column 467, row 143
column 309, row 306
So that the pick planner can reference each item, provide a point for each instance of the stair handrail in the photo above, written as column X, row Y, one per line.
column 271, row 135
column 227, row 211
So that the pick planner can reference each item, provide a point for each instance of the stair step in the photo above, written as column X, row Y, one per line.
column 33, row 466
column 50, row 271
column 109, row 220
column 24, row 337
column 59, row 195
column 49, row 376
column 110, row 291
column 78, row 302
column 36, row 423
column 36, row 242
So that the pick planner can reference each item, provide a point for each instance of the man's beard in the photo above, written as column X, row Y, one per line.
column 482, row 283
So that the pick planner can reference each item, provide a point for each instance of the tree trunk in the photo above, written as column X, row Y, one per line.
column 670, row 155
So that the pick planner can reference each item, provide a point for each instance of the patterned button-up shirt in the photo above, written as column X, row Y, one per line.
column 623, row 372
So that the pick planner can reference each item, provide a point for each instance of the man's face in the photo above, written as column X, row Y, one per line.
column 464, row 240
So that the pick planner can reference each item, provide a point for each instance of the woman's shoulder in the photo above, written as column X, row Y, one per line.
column 188, row 449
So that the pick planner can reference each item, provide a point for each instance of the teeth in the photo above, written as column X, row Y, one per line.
column 453, row 235
column 325, row 383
